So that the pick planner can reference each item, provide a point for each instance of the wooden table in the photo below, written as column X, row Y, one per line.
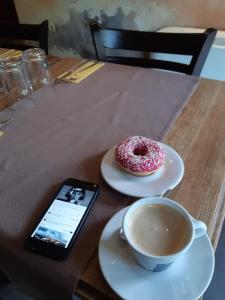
column 198, row 136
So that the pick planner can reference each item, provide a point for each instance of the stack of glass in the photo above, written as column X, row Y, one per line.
column 21, row 76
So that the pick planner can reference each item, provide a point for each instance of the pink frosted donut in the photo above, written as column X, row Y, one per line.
column 139, row 155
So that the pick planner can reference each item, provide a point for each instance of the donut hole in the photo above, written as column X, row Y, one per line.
column 140, row 150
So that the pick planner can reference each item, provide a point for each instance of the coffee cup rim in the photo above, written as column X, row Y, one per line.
column 141, row 202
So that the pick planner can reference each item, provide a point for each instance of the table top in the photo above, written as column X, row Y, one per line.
column 198, row 135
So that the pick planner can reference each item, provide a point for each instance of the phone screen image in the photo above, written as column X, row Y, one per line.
column 61, row 220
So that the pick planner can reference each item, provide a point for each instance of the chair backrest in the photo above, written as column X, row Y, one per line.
column 8, row 11
column 195, row 45
column 23, row 36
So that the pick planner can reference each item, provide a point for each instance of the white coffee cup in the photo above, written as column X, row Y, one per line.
column 170, row 235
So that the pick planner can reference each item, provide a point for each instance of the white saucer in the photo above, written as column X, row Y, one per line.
column 186, row 279
column 167, row 177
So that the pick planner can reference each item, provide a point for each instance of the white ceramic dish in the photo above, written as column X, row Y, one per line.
column 167, row 177
column 186, row 279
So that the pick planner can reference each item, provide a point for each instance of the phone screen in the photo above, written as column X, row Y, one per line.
column 61, row 220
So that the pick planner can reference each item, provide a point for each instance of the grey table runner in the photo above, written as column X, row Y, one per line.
column 66, row 135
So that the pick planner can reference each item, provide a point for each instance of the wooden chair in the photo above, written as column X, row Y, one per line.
column 24, row 36
column 195, row 45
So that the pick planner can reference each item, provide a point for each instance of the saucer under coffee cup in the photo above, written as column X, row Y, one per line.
column 159, row 231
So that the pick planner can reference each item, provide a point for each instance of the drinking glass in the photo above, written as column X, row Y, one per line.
column 2, row 61
column 15, row 85
column 35, row 65
column 1, row 84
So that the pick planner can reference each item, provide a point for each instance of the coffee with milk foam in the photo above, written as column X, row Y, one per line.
column 158, row 230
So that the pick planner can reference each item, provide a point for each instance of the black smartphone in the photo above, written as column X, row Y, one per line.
column 59, row 226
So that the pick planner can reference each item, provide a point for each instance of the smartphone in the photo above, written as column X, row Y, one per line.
column 58, row 228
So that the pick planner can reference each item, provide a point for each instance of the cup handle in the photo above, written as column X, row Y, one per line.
column 199, row 227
